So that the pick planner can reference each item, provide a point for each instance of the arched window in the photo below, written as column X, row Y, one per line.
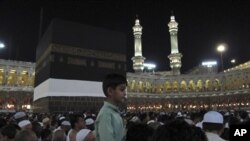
column 200, row 85
column 23, row 79
column 12, row 78
column 167, row 87
column 175, row 86
column 217, row 84
column 148, row 87
column 133, row 86
column 2, row 76
column 191, row 85
column 208, row 85
column 140, row 86
column 32, row 80
column 183, row 86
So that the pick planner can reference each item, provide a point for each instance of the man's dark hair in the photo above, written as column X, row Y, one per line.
column 176, row 130
column 244, row 115
column 45, row 134
column 139, row 132
column 210, row 127
column 112, row 80
column 198, row 134
column 37, row 128
column 151, row 115
column 74, row 119
column 154, row 125
column 194, row 116
column 59, row 135
column 25, row 135
column 233, row 120
column 16, row 126
column 91, row 127
column 9, row 131
column 2, row 122
column 130, row 124
column 142, row 117
column 53, row 121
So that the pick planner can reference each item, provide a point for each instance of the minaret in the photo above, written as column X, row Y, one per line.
column 175, row 56
column 138, row 59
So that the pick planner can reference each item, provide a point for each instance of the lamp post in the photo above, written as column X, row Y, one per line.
column 2, row 45
column 233, row 61
column 8, row 46
column 221, row 49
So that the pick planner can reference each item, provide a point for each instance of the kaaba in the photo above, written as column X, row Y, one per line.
column 72, row 60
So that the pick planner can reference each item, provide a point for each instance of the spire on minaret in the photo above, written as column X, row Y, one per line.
column 175, row 56
column 138, row 59
column 137, row 21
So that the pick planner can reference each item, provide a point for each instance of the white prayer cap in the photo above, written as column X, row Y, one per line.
column 61, row 118
column 151, row 121
column 89, row 121
column 227, row 114
column 161, row 123
column 84, row 115
column 162, row 113
column 30, row 115
column 135, row 119
column 24, row 123
column 213, row 117
column 45, row 120
column 82, row 134
column 19, row 115
column 190, row 122
column 179, row 114
column 66, row 123
column 41, row 124
column 199, row 124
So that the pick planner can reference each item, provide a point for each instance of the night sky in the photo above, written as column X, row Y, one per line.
column 202, row 26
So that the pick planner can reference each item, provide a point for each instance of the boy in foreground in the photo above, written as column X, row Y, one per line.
column 109, row 124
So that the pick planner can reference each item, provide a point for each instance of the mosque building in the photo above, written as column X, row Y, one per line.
column 202, row 88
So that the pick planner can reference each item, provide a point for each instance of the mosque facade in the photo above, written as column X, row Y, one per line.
column 171, row 90
column 16, row 85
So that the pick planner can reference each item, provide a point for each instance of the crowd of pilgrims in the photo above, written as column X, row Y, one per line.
column 141, row 126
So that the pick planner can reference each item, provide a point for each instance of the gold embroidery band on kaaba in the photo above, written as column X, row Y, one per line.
column 83, row 52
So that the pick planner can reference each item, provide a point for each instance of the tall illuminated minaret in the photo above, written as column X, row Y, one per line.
column 138, row 59
column 175, row 56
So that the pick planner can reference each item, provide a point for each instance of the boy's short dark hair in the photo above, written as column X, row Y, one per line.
column 209, row 127
column 113, row 80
